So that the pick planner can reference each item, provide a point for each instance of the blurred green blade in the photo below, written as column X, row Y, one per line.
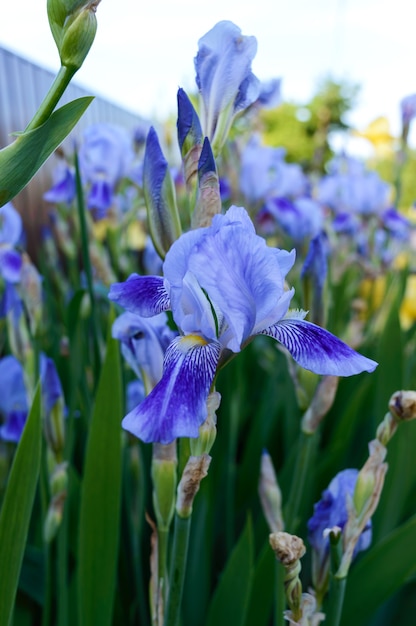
column 100, row 498
column 379, row 574
column 231, row 598
column 17, row 508
column 20, row 161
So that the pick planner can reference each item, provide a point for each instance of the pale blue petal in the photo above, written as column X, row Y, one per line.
column 143, row 295
column 243, row 278
column 316, row 349
column 177, row 405
column 222, row 64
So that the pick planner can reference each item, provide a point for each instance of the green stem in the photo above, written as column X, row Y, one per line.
column 52, row 98
column 303, row 464
column 62, row 570
column 337, row 586
column 335, row 601
column 231, row 474
column 162, row 552
column 280, row 597
column 178, row 568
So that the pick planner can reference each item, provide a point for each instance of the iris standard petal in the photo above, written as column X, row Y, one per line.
column 177, row 405
column 222, row 64
column 251, row 283
column 143, row 295
column 318, row 350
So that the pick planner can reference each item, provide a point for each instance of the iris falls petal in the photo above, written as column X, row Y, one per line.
column 318, row 350
column 143, row 295
column 177, row 405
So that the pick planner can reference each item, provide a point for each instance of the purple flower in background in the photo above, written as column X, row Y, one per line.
column 264, row 173
column 396, row 224
column 349, row 188
column 301, row 218
column 63, row 188
column 14, row 404
column 106, row 155
column 408, row 109
column 346, row 223
column 13, row 399
column 10, row 234
column 224, row 285
column 270, row 94
column 51, row 385
column 315, row 266
column 332, row 511
column 224, row 78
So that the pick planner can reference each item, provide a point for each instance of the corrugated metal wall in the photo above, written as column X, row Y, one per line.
column 23, row 86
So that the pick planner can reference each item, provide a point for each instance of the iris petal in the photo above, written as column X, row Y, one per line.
column 143, row 295
column 177, row 405
column 316, row 349
column 10, row 265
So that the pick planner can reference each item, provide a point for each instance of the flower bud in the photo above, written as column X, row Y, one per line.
column 402, row 405
column 322, row 401
column 368, row 479
column 54, row 517
column 189, row 136
column 287, row 548
column 195, row 470
column 78, row 35
column 58, row 481
column 386, row 429
column 208, row 430
column 159, row 194
column 164, row 463
column 209, row 200
column 270, row 494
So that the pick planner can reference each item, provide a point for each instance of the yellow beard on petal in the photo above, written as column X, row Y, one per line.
column 189, row 341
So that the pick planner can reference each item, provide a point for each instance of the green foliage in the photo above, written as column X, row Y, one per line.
column 304, row 129
column 230, row 601
column 101, row 498
column 20, row 161
column 17, row 508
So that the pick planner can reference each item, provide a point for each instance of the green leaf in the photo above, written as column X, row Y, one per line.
column 101, row 497
column 261, row 597
column 379, row 574
column 20, row 161
column 231, row 598
column 17, row 508
column 32, row 575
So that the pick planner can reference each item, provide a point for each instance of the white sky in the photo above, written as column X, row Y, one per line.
column 144, row 50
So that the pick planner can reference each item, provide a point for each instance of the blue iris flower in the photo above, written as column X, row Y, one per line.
column 331, row 511
column 224, row 78
column 14, row 402
column 143, row 344
column 13, row 399
column 224, row 286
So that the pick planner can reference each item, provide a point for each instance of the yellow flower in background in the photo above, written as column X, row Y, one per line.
column 100, row 228
column 408, row 307
column 379, row 135
column 136, row 236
